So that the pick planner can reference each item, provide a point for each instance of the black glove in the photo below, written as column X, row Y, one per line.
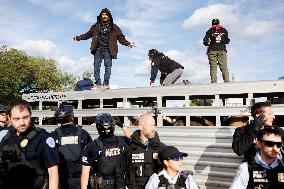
column 117, row 122
column 259, row 122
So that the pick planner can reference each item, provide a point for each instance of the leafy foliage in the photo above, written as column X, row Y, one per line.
column 21, row 73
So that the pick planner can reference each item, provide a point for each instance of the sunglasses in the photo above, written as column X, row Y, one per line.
column 271, row 143
column 3, row 113
column 177, row 158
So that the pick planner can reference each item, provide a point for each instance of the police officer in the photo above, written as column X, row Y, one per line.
column 266, row 170
column 171, row 176
column 3, row 116
column 28, row 152
column 142, row 156
column 244, row 137
column 106, row 155
column 3, row 121
column 70, row 141
column 216, row 39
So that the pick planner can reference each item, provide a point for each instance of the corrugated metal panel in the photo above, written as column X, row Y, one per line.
column 211, row 158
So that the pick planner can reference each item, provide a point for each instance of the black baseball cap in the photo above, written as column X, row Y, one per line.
column 170, row 152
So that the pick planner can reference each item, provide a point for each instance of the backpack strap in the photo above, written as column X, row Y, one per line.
column 79, row 133
column 59, row 134
column 99, row 143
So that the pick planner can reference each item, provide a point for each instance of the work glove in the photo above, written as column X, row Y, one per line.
column 118, row 122
column 259, row 122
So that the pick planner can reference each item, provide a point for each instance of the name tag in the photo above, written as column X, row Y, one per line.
column 138, row 158
column 69, row 140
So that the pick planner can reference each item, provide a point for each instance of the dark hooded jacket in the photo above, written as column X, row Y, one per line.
column 216, row 39
column 243, row 141
column 164, row 64
column 115, row 34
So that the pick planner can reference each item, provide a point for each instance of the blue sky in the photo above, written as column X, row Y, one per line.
column 175, row 27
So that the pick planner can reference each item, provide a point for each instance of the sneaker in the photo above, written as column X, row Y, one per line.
column 186, row 82
column 106, row 87
column 97, row 87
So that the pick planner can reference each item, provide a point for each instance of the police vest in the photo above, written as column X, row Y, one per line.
column 180, row 184
column 142, row 163
column 13, row 157
column 70, row 145
column 261, row 178
column 110, row 156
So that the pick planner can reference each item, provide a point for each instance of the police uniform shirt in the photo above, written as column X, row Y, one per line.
column 242, row 176
column 154, row 181
column 42, row 146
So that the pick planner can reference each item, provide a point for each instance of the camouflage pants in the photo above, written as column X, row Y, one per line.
column 218, row 58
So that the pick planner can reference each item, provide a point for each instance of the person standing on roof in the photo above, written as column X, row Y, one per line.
column 216, row 39
column 104, row 34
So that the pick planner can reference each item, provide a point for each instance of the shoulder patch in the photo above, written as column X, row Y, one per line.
column 50, row 142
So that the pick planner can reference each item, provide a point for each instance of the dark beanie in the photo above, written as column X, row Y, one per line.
column 215, row 21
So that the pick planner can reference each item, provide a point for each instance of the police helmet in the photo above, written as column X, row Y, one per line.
column 3, row 108
column 105, row 124
column 64, row 113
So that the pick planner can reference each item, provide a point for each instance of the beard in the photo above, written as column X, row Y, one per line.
column 150, row 135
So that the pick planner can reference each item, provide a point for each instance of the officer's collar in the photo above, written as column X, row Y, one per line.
column 31, row 127
column 261, row 162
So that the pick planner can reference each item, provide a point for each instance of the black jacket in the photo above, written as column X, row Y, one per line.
column 243, row 141
column 216, row 40
column 164, row 64
column 140, row 169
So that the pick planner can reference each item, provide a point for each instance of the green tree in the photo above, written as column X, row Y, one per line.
column 88, row 74
column 21, row 73
column 201, row 102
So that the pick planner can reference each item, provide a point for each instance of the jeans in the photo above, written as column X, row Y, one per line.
column 102, row 54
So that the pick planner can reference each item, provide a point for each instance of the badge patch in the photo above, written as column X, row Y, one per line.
column 50, row 142
column 281, row 177
column 24, row 143
column 155, row 155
